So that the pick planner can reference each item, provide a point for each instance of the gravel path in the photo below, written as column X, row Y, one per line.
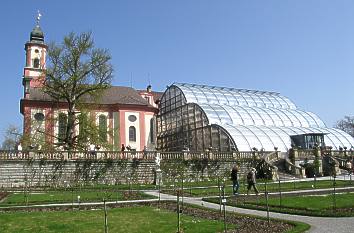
column 318, row 224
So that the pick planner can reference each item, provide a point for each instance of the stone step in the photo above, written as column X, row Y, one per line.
column 286, row 176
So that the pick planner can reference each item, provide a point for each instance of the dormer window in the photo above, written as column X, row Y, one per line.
column 36, row 63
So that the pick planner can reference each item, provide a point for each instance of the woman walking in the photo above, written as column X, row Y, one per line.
column 251, row 180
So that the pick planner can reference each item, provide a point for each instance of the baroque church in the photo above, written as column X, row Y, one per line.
column 128, row 114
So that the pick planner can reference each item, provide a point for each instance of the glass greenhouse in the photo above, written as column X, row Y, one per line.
column 200, row 117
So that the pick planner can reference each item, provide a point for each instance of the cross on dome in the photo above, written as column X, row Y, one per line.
column 38, row 18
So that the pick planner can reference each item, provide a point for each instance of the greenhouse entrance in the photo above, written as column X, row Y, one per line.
column 308, row 141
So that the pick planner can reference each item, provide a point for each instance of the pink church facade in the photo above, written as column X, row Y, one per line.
column 128, row 114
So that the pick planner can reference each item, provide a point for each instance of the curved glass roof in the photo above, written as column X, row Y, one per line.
column 231, row 96
column 243, row 115
column 259, row 119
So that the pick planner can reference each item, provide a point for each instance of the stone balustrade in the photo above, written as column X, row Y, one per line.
column 144, row 155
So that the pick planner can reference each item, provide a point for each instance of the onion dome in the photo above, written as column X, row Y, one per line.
column 37, row 35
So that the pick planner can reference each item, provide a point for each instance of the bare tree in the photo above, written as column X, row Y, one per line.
column 12, row 137
column 346, row 124
column 76, row 72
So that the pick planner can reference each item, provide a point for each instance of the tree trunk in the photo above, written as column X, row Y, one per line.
column 70, row 131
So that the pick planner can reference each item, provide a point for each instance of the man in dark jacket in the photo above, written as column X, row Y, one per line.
column 234, row 178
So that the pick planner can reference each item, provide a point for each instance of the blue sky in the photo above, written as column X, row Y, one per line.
column 303, row 49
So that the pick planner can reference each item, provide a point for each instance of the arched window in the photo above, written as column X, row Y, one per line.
column 36, row 63
column 152, row 139
column 102, row 127
column 132, row 134
column 63, row 122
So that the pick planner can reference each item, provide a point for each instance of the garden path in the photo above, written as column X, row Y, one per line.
column 318, row 224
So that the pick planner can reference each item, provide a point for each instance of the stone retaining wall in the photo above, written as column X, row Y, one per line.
column 32, row 172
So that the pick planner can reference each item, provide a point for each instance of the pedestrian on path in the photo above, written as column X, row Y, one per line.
column 349, row 167
column 234, row 178
column 251, row 180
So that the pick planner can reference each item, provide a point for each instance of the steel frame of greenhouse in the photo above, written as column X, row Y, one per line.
column 201, row 117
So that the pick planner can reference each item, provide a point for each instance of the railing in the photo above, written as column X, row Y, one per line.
column 306, row 154
column 342, row 153
column 223, row 155
column 170, row 155
column 245, row 155
column 342, row 162
column 295, row 170
column 270, row 169
column 147, row 155
column 271, row 156
column 76, row 155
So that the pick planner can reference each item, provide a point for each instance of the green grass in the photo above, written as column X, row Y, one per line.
column 271, row 187
column 313, row 205
column 138, row 219
column 313, row 202
column 68, row 196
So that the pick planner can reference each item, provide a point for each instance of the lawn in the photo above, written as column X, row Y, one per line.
column 137, row 219
column 191, row 189
column 69, row 196
column 314, row 204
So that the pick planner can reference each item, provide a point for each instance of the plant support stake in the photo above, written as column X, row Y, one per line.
column 178, row 214
column 224, row 206
column 105, row 216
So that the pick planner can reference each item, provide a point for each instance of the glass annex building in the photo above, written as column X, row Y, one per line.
column 200, row 117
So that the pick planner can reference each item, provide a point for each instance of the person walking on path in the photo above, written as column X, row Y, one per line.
column 251, row 180
column 349, row 165
column 234, row 178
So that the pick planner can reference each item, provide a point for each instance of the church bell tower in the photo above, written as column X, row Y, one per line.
column 36, row 51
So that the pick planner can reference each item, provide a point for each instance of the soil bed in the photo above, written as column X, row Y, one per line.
column 3, row 196
column 243, row 223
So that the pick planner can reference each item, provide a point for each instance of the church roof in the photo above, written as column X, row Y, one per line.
column 113, row 95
